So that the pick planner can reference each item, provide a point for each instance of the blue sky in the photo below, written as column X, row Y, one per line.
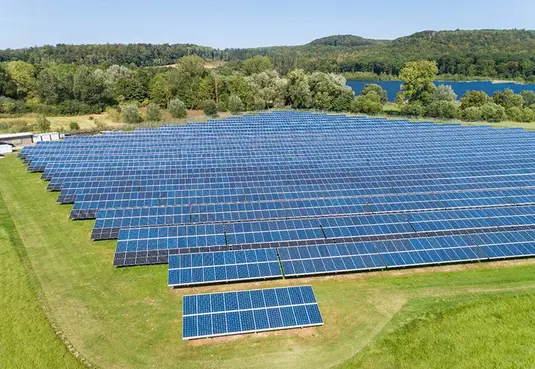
column 241, row 23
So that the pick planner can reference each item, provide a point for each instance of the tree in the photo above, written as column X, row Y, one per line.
column 210, row 108
column 154, row 113
column 492, row 112
column 177, row 109
column 159, row 90
column 129, row 89
column 42, row 124
column 471, row 113
column 299, row 95
column 372, row 87
column 418, row 80
column 441, row 109
column 90, row 87
column 444, row 93
column 474, row 99
column 508, row 99
column 23, row 74
column 414, row 109
column 257, row 64
column 130, row 114
column 369, row 103
column 529, row 98
column 235, row 104
column 74, row 126
column 191, row 66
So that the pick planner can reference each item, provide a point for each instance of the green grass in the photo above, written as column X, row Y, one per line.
column 27, row 340
column 128, row 318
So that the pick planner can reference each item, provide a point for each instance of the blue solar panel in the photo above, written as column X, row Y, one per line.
column 220, row 314
column 212, row 267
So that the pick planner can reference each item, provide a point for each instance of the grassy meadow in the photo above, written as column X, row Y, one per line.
column 464, row 316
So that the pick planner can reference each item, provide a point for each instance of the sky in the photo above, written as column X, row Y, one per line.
column 242, row 23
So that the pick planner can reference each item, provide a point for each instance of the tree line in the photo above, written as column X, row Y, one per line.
column 495, row 54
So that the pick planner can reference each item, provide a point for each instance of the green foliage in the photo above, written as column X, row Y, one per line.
column 41, row 123
column 113, row 114
column 471, row 113
column 517, row 114
column 418, row 80
column 130, row 114
column 257, row 64
column 444, row 93
column 414, row 109
column 474, row 99
column 299, row 95
column 177, row 109
column 74, row 126
column 508, row 99
column 372, row 87
column 74, row 107
column 235, row 104
column 441, row 109
column 23, row 75
column 154, row 114
column 492, row 112
column 369, row 103
column 529, row 98
column 210, row 108
column 89, row 87
column 159, row 90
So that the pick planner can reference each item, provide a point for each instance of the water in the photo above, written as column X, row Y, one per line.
column 393, row 87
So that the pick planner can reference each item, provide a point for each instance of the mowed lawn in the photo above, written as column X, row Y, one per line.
column 466, row 316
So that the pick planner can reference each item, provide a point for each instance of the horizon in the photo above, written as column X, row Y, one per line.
column 240, row 24
column 268, row 46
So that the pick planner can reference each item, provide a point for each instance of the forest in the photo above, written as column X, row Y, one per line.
column 494, row 54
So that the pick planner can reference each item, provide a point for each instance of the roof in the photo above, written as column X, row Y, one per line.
column 9, row 136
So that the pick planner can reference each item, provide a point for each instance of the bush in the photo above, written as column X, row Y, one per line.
column 210, row 108
column 101, row 126
column 235, row 104
column 492, row 112
column 529, row 115
column 471, row 114
column 372, row 87
column 113, row 114
column 15, row 126
column 442, row 109
column 130, row 114
column 444, row 93
column 177, row 109
column 74, row 126
column 414, row 109
column 474, row 99
column 42, row 124
column 154, row 113
column 367, row 104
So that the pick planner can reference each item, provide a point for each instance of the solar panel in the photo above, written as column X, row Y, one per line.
column 240, row 312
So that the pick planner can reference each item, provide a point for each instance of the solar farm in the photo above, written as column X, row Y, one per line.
column 286, row 195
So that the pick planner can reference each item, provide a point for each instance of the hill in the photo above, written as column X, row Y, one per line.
column 507, row 54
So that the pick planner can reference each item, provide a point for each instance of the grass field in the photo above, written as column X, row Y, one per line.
column 465, row 316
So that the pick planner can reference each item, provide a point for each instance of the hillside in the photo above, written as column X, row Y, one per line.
column 489, row 53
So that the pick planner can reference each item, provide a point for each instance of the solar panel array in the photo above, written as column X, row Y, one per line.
column 289, row 193
column 221, row 314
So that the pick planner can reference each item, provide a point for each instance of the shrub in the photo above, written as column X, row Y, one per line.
column 154, row 113
column 441, row 109
column 372, row 87
column 493, row 112
column 529, row 115
column 474, row 99
column 471, row 114
column 101, row 126
column 74, row 126
column 515, row 114
column 367, row 104
column 113, row 114
column 210, row 108
column 235, row 104
column 41, row 123
column 414, row 109
column 130, row 114
column 177, row 109
column 444, row 93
